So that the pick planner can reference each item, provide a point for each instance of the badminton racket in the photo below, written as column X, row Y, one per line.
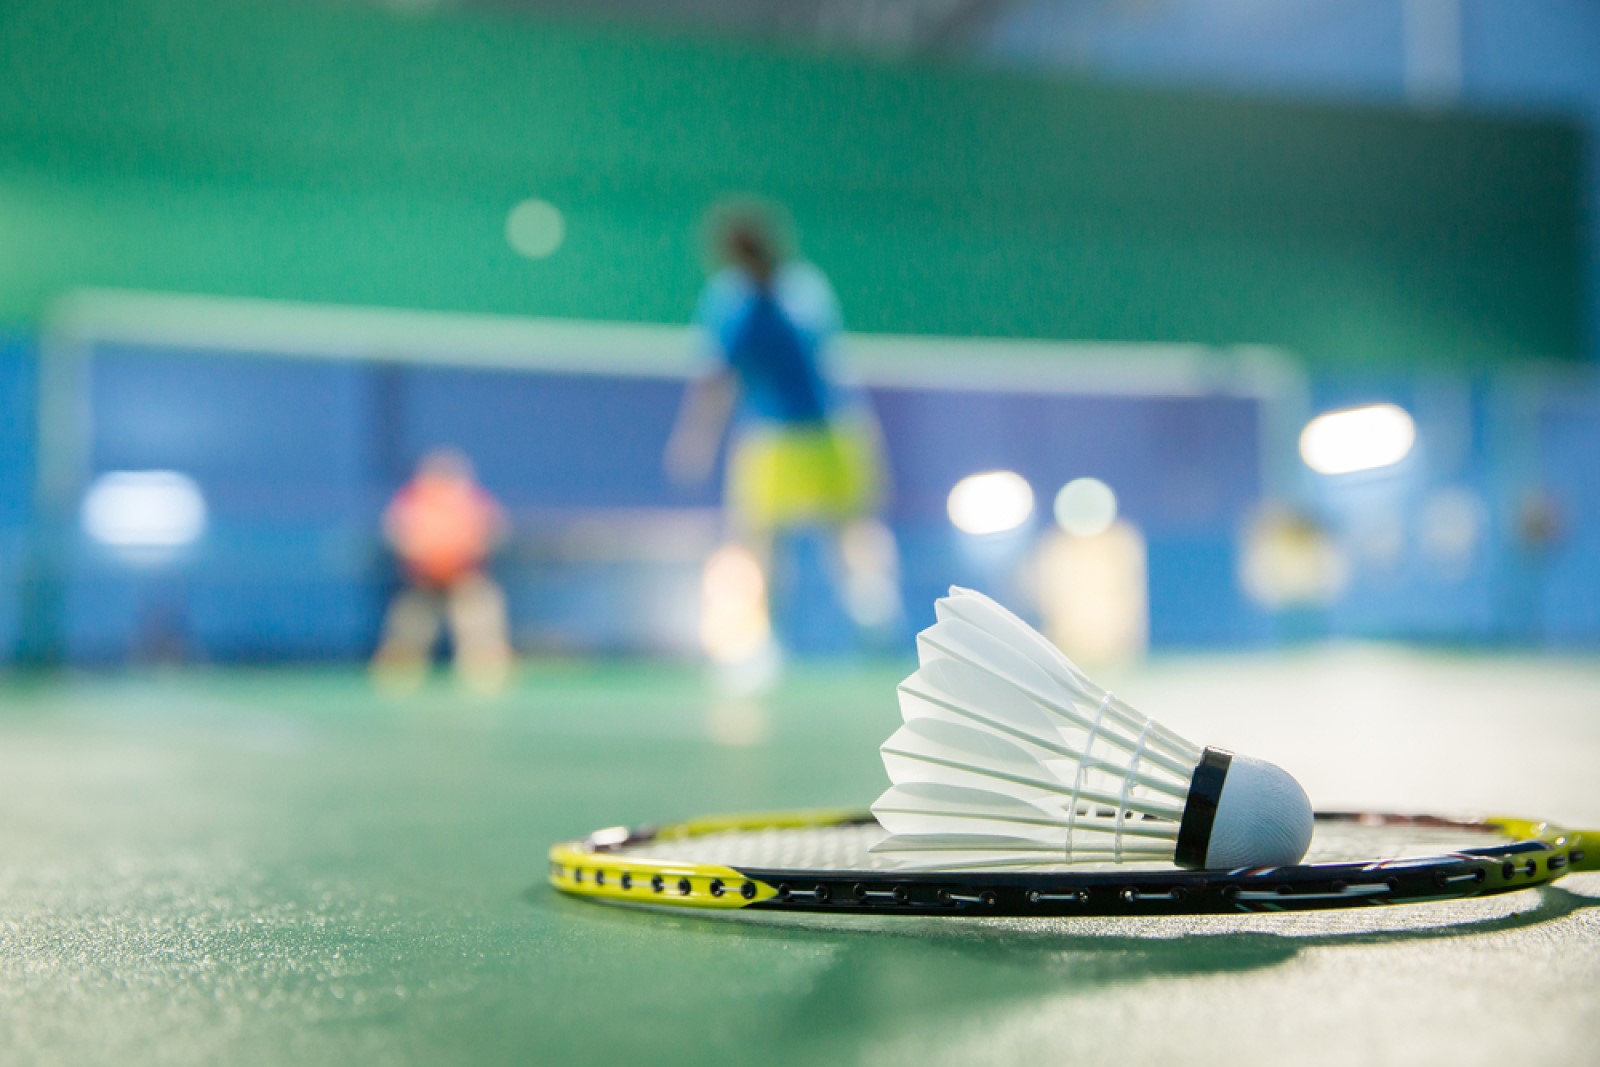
column 822, row 861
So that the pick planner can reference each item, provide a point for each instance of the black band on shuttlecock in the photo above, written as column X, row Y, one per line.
column 1205, row 789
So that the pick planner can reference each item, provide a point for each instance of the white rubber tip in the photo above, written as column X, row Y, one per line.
column 1263, row 818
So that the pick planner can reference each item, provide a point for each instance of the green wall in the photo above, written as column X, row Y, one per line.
column 348, row 155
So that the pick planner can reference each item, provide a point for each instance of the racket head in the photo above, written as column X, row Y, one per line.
column 820, row 860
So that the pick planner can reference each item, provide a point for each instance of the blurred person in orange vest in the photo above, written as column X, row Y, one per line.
column 442, row 526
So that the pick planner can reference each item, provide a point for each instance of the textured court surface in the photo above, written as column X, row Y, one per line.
column 282, row 868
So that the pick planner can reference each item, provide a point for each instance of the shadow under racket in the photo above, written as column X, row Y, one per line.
column 1098, row 951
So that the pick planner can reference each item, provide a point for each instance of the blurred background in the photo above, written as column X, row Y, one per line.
column 1247, row 347
column 1189, row 325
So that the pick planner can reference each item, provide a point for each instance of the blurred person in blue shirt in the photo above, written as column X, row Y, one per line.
column 806, row 448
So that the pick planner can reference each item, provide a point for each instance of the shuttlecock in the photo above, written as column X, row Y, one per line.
column 1010, row 756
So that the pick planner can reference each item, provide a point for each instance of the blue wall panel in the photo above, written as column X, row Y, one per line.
column 1195, row 599
column 265, row 438
column 17, row 400
column 1567, row 575
column 286, row 455
column 1173, row 462
column 549, row 440
column 297, row 458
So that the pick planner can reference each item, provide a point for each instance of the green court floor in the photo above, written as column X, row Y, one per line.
column 281, row 867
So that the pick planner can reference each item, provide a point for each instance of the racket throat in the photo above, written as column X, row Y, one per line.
column 1200, row 812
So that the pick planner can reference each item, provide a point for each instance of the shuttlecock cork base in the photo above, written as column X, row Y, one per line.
column 1242, row 812
column 1009, row 756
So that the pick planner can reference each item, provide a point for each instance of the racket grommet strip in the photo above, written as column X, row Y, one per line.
column 1445, row 879
column 1131, row 895
column 985, row 898
column 862, row 893
column 788, row 894
column 1079, row 897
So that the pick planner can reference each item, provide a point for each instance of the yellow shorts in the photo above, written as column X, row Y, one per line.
column 791, row 476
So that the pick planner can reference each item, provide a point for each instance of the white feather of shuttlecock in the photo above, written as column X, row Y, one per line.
column 1011, row 756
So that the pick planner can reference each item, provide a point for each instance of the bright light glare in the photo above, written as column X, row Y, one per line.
column 1086, row 507
column 991, row 502
column 1357, row 439
column 535, row 229
column 733, row 606
column 144, row 509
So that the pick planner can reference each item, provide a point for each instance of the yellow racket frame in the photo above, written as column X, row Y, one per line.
column 585, row 868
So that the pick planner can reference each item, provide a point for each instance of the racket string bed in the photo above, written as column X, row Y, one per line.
column 842, row 847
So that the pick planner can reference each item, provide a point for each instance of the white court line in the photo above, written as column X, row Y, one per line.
column 250, row 326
